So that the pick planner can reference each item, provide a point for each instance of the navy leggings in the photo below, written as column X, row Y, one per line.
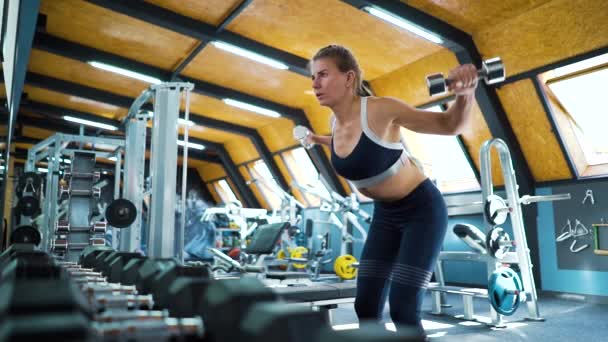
column 399, row 256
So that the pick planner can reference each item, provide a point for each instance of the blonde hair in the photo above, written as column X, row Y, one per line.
column 345, row 61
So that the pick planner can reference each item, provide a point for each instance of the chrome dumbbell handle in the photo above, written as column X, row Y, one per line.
column 113, row 301
column 151, row 329
column 110, row 316
column 87, row 280
column 97, row 289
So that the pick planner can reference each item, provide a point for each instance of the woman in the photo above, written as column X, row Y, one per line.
column 410, row 215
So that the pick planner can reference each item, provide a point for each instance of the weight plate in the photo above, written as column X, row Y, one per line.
column 26, row 234
column 495, row 248
column 504, row 291
column 121, row 213
column 495, row 210
column 343, row 266
column 32, row 178
column 298, row 253
column 28, row 205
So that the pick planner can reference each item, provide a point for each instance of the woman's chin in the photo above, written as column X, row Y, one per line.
column 323, row 102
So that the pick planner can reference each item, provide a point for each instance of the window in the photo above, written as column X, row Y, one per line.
column 576, row 93
column 442, row 159
column 224, row 191
column 266, row 184
column 304, row 172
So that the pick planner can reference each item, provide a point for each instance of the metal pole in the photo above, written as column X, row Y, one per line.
column 182, row 228
column 163, row 159
column 117, row 168
column 133, row 180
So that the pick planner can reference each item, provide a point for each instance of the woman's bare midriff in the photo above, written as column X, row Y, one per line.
column 398, row 186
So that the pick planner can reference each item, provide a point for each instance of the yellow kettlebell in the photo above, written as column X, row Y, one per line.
column 343, row 266
column 298, row 253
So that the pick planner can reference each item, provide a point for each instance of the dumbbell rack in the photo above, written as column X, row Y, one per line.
column 79, row 189
column 53, row 150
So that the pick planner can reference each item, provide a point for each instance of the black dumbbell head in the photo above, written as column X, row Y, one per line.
column 436, row 83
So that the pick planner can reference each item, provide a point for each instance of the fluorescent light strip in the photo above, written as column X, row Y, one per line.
column 180, row 121
column 89, row 123
column 191, row 145
column 125, row 72
column 391, row 18
column 252, row 108
column 183, row 122
column 41, row 169
column 249, row 54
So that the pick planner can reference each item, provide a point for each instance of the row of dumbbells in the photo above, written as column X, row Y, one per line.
column 43, row 298
column 120, row 312
column 230, row 309
column 111, row 295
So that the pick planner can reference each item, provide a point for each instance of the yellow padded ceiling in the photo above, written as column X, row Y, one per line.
column 87, row 24
column 217, row 109
column 534, row 132
column 24, row 145
column 301, row 27
column 557, row 30
column 209, row 11
column 210, row 171
column 52, row 65
column 78, row 72
column 214, row 135
column 37, row 133
column 409, row 82
column 229, row 70
column 474, row 15
column 278, row 136
column 74, row 102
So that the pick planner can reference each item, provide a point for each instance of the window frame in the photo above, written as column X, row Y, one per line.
column 305, row 196
column 443, row 105
column 564, row 129
column 261, row 189
column 213, row 183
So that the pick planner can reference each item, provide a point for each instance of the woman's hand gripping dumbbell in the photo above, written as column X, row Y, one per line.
column 492, row 71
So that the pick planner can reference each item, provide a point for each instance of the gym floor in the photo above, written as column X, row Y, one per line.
column 565, row 320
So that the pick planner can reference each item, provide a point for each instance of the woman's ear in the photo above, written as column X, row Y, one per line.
column 350, row 78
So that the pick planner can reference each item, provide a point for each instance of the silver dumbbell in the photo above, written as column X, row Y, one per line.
column 87, row 280
column 300, row 133
column 492, row 71
column 105, row 302
column 110, row 316
column 99, row 227
column 151, row 329
column 61, row 243
column 93, row 192
column 92, row 290
column 62, row 226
